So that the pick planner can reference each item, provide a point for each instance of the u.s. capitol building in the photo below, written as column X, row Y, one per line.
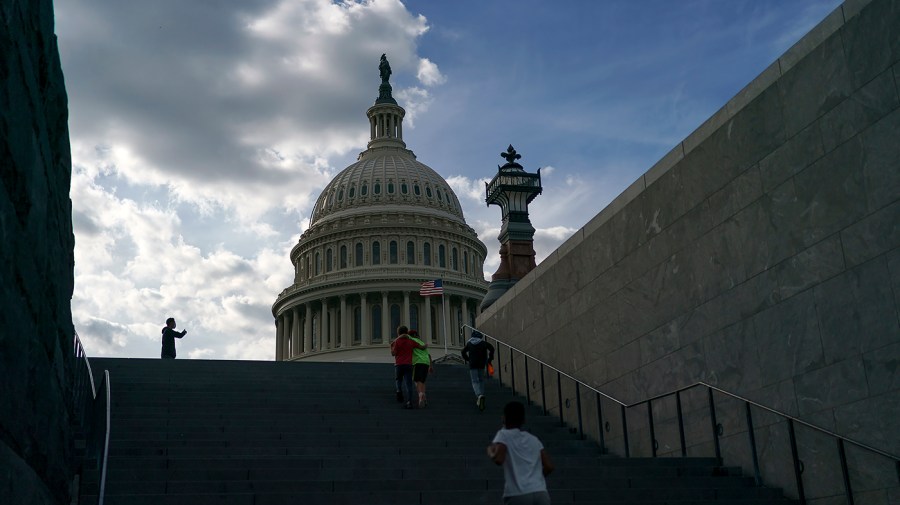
column 382, row 227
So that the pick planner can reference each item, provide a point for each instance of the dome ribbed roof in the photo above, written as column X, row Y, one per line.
column 386, row 177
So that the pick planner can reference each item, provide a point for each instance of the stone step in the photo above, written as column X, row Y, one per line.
column 200, row 432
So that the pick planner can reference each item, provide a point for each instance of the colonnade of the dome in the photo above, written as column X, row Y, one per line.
column 369, row 320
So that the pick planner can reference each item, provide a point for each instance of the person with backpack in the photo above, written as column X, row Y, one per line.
column 478, row 353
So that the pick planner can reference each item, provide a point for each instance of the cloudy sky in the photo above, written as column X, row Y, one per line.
column 202, row 132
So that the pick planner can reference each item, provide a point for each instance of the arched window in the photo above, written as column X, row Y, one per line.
column 393, row 252
column 410, row 253
column 440, row 196
column 329, row 261
column 343, row 256
column 404, row 188
column 428, row 191
column 377, row 188
column 426, row 253
column 359, row 254
column 352, row 192
column 466, row 261
column 318, row 263
column 395, row 317
column 442, row 256
column 357, row 324
column 341, row 195
column 454, row 259
column 364, row 190
column 414, row 318
column 390, row 187
column 376, row 253
column 376, row 322
column 416, row 190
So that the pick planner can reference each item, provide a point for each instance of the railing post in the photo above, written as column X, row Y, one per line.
column 625, row 432
column 600, row 425
column 652, row 430
column 715, row 425
column 499, row 364
column 844, row 473
column 753, row 445
column 543, row 392
column 527, row 383
column 680, row 424
column 562, row 421
column 512, row 371
column 578, row 404
column 798, row 471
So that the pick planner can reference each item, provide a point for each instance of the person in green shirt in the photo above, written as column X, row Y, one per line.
column 421, row 367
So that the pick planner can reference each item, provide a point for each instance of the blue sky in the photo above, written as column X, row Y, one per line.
column 203, row 132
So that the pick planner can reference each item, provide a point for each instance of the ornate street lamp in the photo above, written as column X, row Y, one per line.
column 512, row 189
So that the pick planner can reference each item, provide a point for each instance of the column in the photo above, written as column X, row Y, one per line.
column 296, row 348
column 345, row 334
column 326, row 325
column 364, row 336
column 445, row 321
column 404, row 317
column 307, row 329
column 279, row 337
column 286, row 336
column 386, row 332
column 427, row 327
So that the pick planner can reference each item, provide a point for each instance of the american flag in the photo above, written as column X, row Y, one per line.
column 432, row 288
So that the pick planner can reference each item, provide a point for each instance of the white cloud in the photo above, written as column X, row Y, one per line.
column 429, row 74
column 415, row 100
column 471, row 189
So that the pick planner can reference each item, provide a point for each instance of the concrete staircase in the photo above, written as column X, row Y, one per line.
column 268, row 433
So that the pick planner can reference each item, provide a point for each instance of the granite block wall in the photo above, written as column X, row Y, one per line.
column 36, row 260
column 761, row 255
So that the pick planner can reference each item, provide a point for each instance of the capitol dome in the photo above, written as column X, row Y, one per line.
column 379, row 230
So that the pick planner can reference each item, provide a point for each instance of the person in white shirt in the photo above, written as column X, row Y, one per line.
column 525, row 462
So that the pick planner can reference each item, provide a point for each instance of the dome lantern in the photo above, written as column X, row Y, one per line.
column 385, row 117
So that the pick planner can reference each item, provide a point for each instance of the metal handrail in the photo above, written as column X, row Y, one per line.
column 791, row 420
column 86, row 409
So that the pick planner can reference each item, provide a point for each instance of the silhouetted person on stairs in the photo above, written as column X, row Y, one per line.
column 168, row 339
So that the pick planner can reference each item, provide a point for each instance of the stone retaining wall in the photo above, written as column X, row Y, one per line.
column 36, row 260
column 761, row 255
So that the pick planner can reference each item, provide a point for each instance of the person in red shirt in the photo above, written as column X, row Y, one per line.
column 402, row 351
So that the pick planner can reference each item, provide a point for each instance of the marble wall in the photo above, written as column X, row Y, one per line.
column 761, row 255
column 36, row 260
